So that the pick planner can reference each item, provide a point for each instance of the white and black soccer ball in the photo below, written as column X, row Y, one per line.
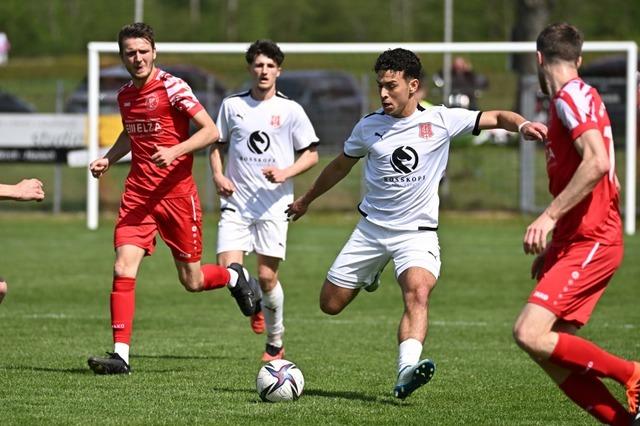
column 279, row 380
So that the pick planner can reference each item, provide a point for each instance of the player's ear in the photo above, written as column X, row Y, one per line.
column 278, row 73
column 579, row 62
column 539, row 57
column 154, row 54
column 414, row 84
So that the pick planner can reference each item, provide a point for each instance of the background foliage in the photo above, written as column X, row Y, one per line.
column 65, row 26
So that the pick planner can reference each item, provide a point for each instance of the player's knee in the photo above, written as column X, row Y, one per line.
column 525, row 338
column 330, row 307
column 191, row 284
column 124, row 269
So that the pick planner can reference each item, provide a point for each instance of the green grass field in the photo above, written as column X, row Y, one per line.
column 195, row 358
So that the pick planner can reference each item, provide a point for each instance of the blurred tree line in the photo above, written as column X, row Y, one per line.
column 54, row 27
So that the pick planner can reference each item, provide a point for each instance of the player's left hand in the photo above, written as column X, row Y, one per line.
column 297, row 209
column 534, row 131
column 164, row 156
column 535, row 239
column 274, row 174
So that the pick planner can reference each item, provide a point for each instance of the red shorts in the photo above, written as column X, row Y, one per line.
column 574, row 277
column 178, row 220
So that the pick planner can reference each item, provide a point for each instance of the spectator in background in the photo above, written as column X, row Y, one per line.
column 25, row 190
column 5, row 47
column 466, row 85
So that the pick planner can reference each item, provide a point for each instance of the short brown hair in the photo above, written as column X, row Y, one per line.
column 136, row 30
column 267, row 48
column 560, row 42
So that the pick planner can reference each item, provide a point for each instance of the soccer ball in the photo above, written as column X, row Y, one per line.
column 279, row 380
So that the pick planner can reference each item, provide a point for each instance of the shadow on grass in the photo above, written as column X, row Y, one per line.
column 48, row 369
column 351, row 395
column 180, row 357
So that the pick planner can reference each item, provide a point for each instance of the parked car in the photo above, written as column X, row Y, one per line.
column 206, row 87
column 11, row 103
column 333, row 100
column 608, row 75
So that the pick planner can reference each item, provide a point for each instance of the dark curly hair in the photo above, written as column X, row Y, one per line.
column 399, row 60
column 267, row 48
column 136, row 30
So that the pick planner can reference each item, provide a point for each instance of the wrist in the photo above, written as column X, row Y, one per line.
column 521, row 125
column 550, row 215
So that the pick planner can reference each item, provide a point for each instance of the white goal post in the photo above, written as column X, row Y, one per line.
column 628, row 47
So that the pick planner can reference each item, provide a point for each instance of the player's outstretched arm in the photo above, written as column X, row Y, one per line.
column 206, row 134
column 117, row 151
column 304, row 162
column 25, row 190
column 333, row 173
column 513, row 122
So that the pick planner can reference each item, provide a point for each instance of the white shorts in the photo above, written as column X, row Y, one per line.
column 370, row 248
column 265, row 237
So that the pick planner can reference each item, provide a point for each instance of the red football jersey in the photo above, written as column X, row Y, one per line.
column 158, row 114
column 576, row 108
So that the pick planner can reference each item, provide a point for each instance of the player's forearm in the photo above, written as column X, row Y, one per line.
column 586, row 177
column 215, row 160
column 8, row 192
column 507, row 120
column 307, row 160
column 119, row 149
column 202, row 138
column 329, row 177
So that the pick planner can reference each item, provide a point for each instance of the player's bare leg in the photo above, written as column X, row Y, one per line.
column 272, row 314
column 125, row 270
column 196, row 277
column 536, row 332
column 333, row 298
column 416, row 284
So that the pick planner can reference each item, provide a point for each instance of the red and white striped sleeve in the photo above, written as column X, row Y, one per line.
column 576, row 108
column 180, row 95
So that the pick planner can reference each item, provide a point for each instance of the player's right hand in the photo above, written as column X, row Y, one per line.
column 224, row 186
column 29, row 189
column 297, row 209
column 99, row 167
column 534, row 131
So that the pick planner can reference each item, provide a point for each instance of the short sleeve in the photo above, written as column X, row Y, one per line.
column 575, row 109
column 355, row 146
column 459, row 121
column 302, row 132
column 222, row 122
column 181, row 96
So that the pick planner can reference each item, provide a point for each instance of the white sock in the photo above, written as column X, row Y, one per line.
column 233, row 276
column 122, row 349
column 273, row 309
column 409, row 352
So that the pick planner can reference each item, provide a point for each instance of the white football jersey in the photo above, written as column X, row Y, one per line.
column 261, row 134
column 406, row 158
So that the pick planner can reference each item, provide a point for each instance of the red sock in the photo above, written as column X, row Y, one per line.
column 582, row 356
column 123, row 305
column 593, row 396
column 215, row 276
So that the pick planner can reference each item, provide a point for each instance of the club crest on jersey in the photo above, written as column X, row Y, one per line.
column 424, row 130
column 275, row 121
column 404, row 159
column 259, row 142
column 152, row 102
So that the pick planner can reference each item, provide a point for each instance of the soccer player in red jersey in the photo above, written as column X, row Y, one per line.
column 160, row 194
column 586, row 248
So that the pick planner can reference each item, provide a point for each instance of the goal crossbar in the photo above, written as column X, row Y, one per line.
column 630, row 48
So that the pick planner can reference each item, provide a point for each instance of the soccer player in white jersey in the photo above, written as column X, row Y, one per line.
column 406, row 148
column 264, row 130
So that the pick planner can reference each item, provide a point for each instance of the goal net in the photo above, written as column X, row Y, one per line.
column 492, row 172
